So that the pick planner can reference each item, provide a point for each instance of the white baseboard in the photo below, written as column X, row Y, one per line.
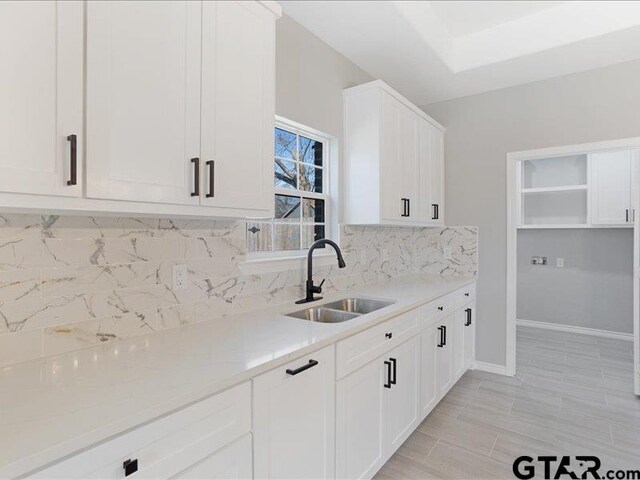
column 490, row 367
column 572, row 329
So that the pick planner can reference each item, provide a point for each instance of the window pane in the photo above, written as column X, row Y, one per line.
column 311, row 233
column 310, row 151
column 286, row 237
column 310, row 178
column 286, row 144
column 286, row 174
column 259, row 237
column 287, row 208
column 313, row 210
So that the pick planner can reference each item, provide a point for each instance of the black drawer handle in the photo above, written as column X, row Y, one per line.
column 436, row 211
column 466, row 294
column 444, row 331
column 441, row 344
column 408, row 207
column 73, row 158
column 393, row 361
column 212, row 166
column 312, row 363
column 388, row 335
column 441, row 308
column 388, row 384
column 405, row 212
column 130, row 466
column 468, row 310
column 196, row 177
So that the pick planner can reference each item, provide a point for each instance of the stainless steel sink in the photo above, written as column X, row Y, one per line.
column 340, row 310
column 357, row 305
column 323, row 315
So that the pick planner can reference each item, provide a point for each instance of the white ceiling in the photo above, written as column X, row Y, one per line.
column 433, row 50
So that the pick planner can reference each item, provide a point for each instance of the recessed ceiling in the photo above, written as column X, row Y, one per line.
column 464, row 17
column 432, row 51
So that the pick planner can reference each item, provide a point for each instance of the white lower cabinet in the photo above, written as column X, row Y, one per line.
column 444, row 357
column 294, row 419
column 185, row 443
column 469, row 335
column 457, row 337
column 429, row 340
column 377, row 409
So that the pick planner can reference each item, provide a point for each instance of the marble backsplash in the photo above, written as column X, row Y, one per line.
column 68, row 282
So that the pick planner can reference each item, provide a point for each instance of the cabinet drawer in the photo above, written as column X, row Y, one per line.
column 464, row 295
column 167, row 446
column 437, row 309
column 354, row 352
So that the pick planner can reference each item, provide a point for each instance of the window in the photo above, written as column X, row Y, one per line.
column 301, row 193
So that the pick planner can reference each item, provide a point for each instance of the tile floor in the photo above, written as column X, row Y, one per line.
column 572, row 395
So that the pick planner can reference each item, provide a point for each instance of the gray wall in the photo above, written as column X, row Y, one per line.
column 601, row 104
column 310, row 77
column 593, row 290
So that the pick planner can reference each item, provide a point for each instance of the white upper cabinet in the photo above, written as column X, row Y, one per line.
column 611, row 202
column 143, row 100
column 238, row 105
column 393, row 159
column 41, row 50
column 431, row 164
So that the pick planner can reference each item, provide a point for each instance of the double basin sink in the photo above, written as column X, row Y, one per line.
column 340, row 310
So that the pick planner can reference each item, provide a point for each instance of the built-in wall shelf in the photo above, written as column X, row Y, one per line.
column 587, row 190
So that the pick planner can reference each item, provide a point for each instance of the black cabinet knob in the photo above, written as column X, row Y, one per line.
column 388, row 335
column 466, row 294
column 441, row 308
column 130, row 466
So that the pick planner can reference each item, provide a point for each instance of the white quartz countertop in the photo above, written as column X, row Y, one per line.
column 53, row 407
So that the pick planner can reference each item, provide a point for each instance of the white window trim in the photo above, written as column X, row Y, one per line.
column 264, row 262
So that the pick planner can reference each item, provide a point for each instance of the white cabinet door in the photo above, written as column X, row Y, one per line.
column 360, row 422
column 409, row 163
column 143, row 100
column 41, row 50
column 294, row 419
column 232, row 462
column 443, row 356
column 238, row 106
column 469, row 335
column 392, row 197
column 611, row 188
column 429, row 338
column 458, row 347
column 403, row 413
column 431, row 165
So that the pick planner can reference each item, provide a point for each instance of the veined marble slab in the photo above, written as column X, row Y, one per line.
column 53, row 407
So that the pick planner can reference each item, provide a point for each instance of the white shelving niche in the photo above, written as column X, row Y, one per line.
column 559, row 192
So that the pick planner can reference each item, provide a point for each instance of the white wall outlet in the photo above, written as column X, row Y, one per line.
column 448, row 254
column 560, row 262
column 180, row 274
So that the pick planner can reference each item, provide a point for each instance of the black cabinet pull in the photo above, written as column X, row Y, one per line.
column 627, row 215
column 388, row 383
column 436, row 211
column 388, row 335
column 73, row 158
column 196, row 177
column 211, row 164
column 404, row 207
column 394, row 362
column 468, row 310
column 130, row 466
column 408, row 207
column 441, row 308
column 441, row 344
column 444, row 334
column 466, row 294
column 312, row 363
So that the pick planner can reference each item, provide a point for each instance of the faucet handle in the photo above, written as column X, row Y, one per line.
column 321, row 283
column 317, row 288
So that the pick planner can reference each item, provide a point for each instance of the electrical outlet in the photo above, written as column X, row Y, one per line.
column 448, row 254
column 180, row 274
column 560, row 262
column 538, row 260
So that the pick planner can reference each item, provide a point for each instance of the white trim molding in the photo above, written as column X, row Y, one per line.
column 490, row 367
column 574, row 329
